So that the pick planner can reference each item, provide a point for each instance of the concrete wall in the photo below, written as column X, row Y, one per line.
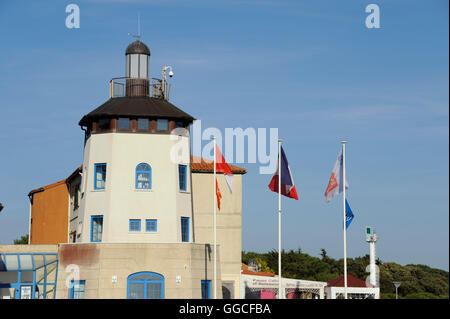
column 49, row 215
column 229, row 221
column 98, row 263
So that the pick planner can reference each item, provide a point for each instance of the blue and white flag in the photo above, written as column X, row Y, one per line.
column 348, row 215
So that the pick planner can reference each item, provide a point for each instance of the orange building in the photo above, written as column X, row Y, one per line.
column 49, row 214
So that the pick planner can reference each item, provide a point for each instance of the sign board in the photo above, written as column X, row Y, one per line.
column 25, row 292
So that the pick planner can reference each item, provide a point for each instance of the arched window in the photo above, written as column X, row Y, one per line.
column 143, row 176
column 145, row 285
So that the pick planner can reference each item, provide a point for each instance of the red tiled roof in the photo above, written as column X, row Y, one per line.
column 352, row 281
column 201, row 165
column 259, row 273
column 245, row 271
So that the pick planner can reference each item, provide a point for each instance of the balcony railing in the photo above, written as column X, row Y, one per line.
column 123, row 86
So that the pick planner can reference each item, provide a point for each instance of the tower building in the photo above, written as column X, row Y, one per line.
column 135, row 220
column 129, row 179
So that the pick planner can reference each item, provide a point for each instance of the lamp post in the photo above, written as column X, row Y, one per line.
column 396, row 284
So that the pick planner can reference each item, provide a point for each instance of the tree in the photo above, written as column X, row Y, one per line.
column 22, row 241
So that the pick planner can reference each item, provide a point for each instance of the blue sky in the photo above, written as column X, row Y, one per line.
column 310, row 68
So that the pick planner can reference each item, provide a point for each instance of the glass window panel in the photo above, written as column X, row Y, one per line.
column 40, row 275
column 104, row 124
column 50, row 292
column 162, row 125
column 26, row 262
column 136, row 291
column 135, row 225
column 11, row 262
column 182, row 177
column 51, row 273
column 26, row 276
column 142, row 124
column 8, row 277
column 2, row 263
column 124, row 123
column 179, row 124
column 185, row 229
column 151, row 225
column 143, row 65
column 100, row 176
column 38, row 261
column 134, row 65
column 154, row 291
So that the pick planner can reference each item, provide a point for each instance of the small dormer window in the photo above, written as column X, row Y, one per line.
column 124, row 123
column 162, row 125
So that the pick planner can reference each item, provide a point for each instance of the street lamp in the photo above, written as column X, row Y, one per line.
column 396, row 284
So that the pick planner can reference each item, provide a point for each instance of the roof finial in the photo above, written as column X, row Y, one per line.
column 138, row 36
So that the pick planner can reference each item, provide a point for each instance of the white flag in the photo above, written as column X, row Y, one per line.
column 335, row 185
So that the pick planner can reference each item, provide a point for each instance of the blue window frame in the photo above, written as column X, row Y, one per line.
column 77, row 288
column 100, row 176
column 96, row 228
column 151, row 225
column 185, row 229
column 145, row 285
column 143, row 176
column 182, row 169
column 206, row 289
column 135, row 225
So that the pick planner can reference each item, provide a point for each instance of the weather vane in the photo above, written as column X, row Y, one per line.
column 138, row 36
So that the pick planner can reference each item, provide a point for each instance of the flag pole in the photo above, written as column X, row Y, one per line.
column 279, row 219
column 345, row 230
column 214, row 222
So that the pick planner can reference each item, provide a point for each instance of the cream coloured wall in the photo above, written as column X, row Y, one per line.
column 120, row 201
column 190, row 263
column 229, row 221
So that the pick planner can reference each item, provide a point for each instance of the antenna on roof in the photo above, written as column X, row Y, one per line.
column 138, row 36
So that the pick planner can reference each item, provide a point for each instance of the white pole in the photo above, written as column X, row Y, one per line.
column 214, row 219
column 280, row 295
column 345, row 230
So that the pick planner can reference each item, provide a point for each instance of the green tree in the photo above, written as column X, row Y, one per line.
column 23, row 240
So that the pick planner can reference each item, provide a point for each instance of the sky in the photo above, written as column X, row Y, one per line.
column 312, row 69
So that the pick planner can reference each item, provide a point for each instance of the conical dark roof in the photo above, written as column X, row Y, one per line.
column 137, row 47
column 136, row 106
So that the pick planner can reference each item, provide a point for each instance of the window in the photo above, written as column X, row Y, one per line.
column 104, row 124
column 124, row 123
column 182, row 169
column 96, row 228
column 145, row 285
column 206, row 289
column 77, row 289
column 100, row 176
column 76, row 197
column 151, row 225
column 142, row 124
column 143, row 176
column 185, row 229
column 135, row 225
column 162, row 125
column 179, row 124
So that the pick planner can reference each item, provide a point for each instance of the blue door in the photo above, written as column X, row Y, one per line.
column 145, row 285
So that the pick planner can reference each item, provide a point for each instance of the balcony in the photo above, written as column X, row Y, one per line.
column 123, row 86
